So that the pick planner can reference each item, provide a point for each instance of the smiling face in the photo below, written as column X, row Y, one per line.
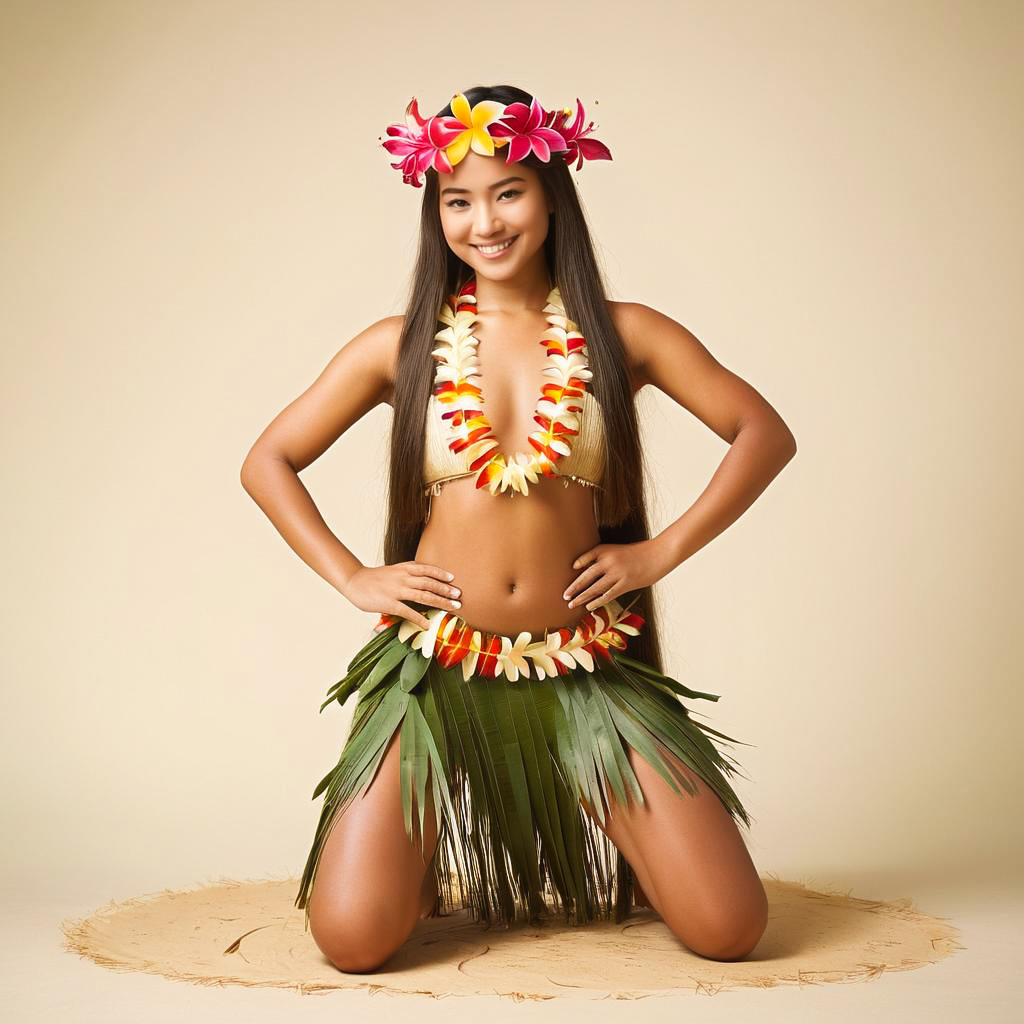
column 486, row 202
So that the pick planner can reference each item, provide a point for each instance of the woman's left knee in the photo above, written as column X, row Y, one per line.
column 725, row 935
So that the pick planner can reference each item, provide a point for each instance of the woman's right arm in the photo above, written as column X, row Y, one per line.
column 356, row 380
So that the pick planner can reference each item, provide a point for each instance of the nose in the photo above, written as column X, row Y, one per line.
column 486, row 224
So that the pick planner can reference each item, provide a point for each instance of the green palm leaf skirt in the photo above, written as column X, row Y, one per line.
column 508, row 761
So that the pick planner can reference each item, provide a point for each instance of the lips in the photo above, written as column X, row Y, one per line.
column 500, row 252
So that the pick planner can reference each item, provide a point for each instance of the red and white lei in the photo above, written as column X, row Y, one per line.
column 557, row 411
column 452, row 641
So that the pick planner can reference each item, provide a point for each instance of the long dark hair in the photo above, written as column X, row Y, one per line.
column 571, row 263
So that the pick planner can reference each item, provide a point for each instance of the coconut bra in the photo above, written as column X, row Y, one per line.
column 570, row 441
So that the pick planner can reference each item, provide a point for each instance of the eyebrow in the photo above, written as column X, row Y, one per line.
column 497, row 184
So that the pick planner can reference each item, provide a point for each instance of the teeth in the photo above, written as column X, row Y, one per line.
column 495, row 248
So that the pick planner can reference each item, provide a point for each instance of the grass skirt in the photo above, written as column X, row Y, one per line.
column 507, row 763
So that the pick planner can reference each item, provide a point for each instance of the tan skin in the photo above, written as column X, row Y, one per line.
column 690, row 860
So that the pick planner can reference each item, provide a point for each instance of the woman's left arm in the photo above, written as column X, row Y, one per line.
column 668, row 356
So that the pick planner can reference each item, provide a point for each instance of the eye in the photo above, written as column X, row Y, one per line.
column 506, row 192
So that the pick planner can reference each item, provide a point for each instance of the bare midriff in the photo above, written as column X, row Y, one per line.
column 511, row 554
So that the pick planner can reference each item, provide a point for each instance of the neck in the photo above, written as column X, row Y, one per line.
column 527, row 290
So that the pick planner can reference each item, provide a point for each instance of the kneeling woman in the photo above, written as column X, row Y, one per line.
column 515, row 747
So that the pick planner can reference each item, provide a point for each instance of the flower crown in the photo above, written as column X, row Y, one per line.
column 441, row 142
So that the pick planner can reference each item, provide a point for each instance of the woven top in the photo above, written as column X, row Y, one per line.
column 586, row 462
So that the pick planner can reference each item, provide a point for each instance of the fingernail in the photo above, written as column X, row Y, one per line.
column 458, row 604
column 451, row 576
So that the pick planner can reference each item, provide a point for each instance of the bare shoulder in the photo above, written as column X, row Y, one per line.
column 660, row 347
column 358, row 377
column 387, row 333
column 671, row 358
column 372, row 354
column 639, row 327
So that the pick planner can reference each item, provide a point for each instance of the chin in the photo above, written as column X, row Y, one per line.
column 487, row 270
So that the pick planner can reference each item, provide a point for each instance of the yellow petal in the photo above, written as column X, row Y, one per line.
column 487, row 111
column 460, row 147
column 460, row 109
column 482, row 142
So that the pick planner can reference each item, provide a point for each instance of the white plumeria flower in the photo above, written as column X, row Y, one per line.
column 600, row 621
column 453, row 319
column 540, row 652
column 478, row 448
column 575, row 653
column 512, row 658
column 574, row 364
column 495, row 482
column 584, row 657
column 407, row 629
column 555, row 443
column 450, row 623
column 565, row 657
column 619, row 612
column 469, row 662
column 425, row 639
column 512, row 476
column 515, row 474
column 543, row 462
column 447, row 314
column 560, row 411
column 467, row 359
column 529, row 465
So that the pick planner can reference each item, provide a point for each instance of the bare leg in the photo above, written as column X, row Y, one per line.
column 691, row 863
column 371, row 885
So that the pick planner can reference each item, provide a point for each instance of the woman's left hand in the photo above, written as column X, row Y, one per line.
column 609, row 570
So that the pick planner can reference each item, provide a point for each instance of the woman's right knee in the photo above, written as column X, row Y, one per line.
column 358, row 937
column 366, row 895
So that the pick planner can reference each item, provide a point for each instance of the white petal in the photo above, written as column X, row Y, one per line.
column 469, row 662
column 585, row 658
column 544, row 664
column 430, row 635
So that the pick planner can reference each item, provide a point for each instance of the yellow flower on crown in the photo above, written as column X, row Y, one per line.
column 476, row 119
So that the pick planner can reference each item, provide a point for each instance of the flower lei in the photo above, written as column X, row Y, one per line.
column 441, row 142
column 557, row 410
column 452, row 641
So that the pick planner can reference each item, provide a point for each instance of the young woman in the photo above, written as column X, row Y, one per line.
column 515, row 746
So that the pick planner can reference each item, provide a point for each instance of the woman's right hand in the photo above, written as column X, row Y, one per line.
column 387, row 588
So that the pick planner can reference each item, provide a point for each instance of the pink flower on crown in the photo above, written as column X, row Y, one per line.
column 574, row 135
column 526, row 128
column 421, row 143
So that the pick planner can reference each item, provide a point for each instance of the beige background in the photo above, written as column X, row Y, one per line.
column 196, row 214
